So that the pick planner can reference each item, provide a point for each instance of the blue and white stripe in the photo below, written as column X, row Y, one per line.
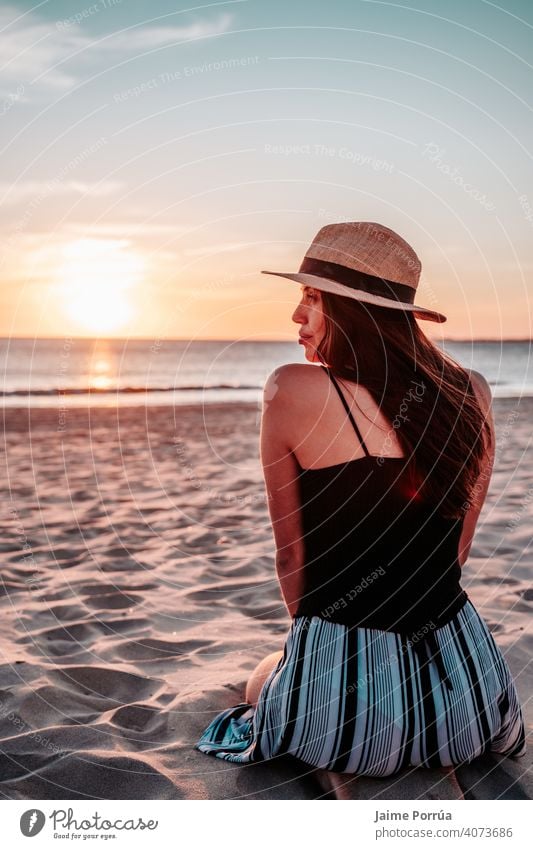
column 357, row 700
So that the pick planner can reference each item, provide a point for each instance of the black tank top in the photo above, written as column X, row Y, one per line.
column 376, row 556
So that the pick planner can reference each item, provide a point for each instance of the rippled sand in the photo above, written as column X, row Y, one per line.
column 138, row 593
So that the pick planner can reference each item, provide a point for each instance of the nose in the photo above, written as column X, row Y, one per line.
column 297, row 315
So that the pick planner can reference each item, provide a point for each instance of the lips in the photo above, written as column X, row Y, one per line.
column 303, row 338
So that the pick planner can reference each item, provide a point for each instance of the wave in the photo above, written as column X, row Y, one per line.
column 124, row 390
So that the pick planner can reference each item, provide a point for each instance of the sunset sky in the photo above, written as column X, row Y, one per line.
column 155, row 160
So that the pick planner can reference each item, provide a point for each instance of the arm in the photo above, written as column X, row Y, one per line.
column 484, row 397
column 280, row 470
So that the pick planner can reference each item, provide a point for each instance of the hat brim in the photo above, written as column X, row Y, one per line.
column 326, row 285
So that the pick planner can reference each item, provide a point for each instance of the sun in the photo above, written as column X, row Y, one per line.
column 97, row 284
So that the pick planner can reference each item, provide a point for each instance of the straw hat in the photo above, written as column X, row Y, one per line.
column 365, row 261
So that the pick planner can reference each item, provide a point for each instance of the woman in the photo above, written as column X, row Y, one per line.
column 376, row 464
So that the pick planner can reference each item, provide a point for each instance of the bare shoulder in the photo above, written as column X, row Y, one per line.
column 289, row 395
column 291, row 379
column 481, row 387
column 484, row 396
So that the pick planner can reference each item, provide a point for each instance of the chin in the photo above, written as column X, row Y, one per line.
column 310, row 353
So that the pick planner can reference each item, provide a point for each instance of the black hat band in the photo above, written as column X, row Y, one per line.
column 358, row 280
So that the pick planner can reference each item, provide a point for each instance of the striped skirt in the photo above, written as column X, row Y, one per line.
column 359, row 700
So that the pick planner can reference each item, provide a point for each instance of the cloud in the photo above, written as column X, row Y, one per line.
column 33, row 49
column 31, row 190
column 223, row 247
column 130, row 229
column 146, row 38
column 29, row 46
column 37, row 250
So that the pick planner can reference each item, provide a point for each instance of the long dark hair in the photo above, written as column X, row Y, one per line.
column 420, row 389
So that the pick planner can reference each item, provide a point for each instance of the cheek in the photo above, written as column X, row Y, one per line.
column 319, row 324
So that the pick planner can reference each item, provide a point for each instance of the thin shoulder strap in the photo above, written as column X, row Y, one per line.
column 346, row 407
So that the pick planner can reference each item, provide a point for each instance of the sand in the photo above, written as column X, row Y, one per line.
column 138, row 593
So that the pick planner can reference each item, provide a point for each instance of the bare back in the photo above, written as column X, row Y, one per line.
column 321, row 434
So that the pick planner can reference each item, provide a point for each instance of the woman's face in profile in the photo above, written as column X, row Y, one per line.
column 308, row 314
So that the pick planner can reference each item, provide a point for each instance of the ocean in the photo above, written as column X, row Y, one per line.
column 77, row 372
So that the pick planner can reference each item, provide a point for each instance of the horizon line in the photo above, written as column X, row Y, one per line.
column 233, row 339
